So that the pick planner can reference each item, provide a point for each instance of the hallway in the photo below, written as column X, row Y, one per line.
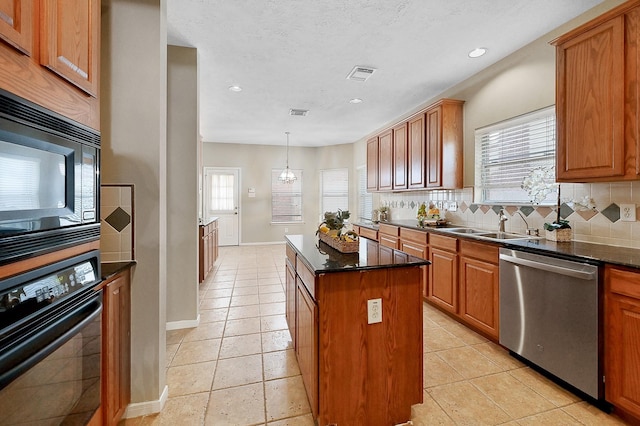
column 238, row 367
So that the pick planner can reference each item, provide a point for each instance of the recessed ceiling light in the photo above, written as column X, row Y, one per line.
column 235, row 88
column 477, row 52
column 355, row 101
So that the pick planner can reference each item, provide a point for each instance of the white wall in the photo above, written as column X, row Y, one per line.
column 255, row 163
column 133, row 103
column 182, row 187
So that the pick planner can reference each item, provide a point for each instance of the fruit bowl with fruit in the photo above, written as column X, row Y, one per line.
column 332, row 231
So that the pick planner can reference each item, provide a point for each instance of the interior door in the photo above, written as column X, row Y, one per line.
column 222, row 199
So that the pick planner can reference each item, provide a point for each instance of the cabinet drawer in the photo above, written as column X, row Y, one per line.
column 389, row 229
column 389, row 241
column 444, row 243
column 307, row 277
column 372, row 234
column 481, row 251
column 291, row 254
column 413, row 235
column 623, row 282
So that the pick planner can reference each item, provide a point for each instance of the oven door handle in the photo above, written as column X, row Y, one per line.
column 39, row 345
column 575, row 273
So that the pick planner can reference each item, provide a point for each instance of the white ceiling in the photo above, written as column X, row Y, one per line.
column 297, row 53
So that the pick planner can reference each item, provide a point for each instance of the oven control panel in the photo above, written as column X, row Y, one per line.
column 19, row 299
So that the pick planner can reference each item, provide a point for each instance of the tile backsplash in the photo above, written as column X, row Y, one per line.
column 593, row 211
column 116, row 223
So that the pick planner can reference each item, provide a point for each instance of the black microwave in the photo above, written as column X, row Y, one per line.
column 49, row 180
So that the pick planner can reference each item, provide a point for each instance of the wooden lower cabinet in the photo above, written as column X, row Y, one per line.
column 389, row 236
column 479, row 286
column 622, row 335
column 290, row 298
column 208, row 250
column 307, row 343
column 116, row 346
column 443, row 274
column 415, row 243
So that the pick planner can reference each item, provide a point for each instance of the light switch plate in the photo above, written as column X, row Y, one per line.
column 374, row 311
column 628, row 212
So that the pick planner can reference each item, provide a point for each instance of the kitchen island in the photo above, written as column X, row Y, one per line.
column 356, row 324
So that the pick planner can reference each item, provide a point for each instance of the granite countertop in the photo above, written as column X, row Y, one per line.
column 321, row 258
column 574, row 250
column 205, row 222
column 109, row 269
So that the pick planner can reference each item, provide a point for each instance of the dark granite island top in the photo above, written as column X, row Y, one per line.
column 356, row 325
column 321, row 258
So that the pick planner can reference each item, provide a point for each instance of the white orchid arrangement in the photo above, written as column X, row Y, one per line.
column 539, row 183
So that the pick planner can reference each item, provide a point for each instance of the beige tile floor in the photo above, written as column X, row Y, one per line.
column 238, row 367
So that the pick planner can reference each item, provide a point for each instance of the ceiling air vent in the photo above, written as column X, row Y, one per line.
column 298, row 112
column 359, row 73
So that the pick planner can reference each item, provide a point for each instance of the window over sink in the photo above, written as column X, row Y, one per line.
column 508, row 151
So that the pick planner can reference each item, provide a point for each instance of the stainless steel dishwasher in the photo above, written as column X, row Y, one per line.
column 549, row 315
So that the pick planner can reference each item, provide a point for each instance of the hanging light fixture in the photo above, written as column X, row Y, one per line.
column 287, row 175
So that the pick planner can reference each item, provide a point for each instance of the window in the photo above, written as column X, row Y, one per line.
column 365, row 199
column 509, row 151
column 334, row 190
column 286, row 198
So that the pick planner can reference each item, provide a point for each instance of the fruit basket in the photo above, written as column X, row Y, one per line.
column 342, row 246
column 332, row 232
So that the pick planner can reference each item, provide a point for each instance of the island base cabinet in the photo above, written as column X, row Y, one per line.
column 307, row 344
column 370, row 374
column 622, row 330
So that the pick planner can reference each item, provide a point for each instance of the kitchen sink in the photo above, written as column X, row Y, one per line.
column 505, row 236
column 489, row 235
column 466, row 231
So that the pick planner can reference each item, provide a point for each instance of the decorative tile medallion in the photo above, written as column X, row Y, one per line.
column 118, row 219
column 565, row 211
column 612, row 212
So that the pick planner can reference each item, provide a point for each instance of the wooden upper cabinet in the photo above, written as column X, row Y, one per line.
column 372, row 164
column 17, row 24
column 444, row 144
column 70, row 41
column 400, row 156
column 434, row 147
column 416, row 156
column 597, row 98
column 385, row 161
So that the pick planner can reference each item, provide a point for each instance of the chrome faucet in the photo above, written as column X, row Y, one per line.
column 530, row 231
column 502, row 218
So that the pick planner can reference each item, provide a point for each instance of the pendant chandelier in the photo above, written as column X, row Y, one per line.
column 287, row 175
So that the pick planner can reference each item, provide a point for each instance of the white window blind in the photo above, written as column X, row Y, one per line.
column 508, row 151
column 286, row 198
column 334, row 190
column 365, row 199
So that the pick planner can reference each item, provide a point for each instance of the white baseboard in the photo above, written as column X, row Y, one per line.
column 263, row 244
column 179, row 325
column 146, row 408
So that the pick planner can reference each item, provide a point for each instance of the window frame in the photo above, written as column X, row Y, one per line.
column 542, row 153
column 275, row 173
column 324, row 195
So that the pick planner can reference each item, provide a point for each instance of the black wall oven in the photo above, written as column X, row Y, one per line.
column 50, row 343
column 49, row 180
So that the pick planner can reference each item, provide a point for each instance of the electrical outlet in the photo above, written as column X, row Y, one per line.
column 453, row 206
column 374, row 311
column 286, row 230
column 628, row 212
